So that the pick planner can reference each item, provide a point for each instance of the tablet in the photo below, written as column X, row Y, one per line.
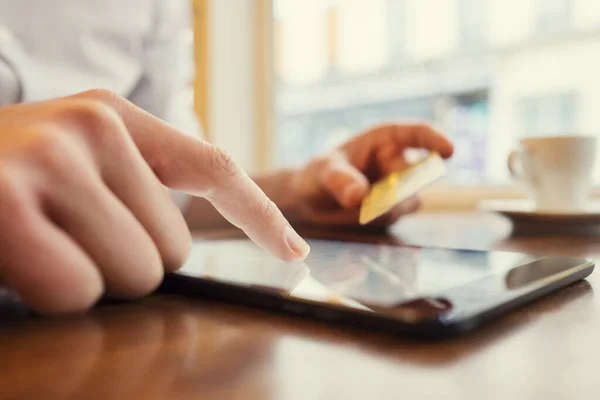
column 416, row 291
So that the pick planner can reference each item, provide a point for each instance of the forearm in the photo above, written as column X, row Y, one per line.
column 278, row 186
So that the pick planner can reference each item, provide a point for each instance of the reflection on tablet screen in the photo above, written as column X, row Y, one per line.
column 352, row 274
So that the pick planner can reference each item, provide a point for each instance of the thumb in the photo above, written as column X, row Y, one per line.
column 346, row 184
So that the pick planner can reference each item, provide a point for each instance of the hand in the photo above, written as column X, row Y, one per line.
column 83, row 209
column 330, row 189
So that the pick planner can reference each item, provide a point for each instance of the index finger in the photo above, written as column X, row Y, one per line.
column 188, row 164
column 417, row 136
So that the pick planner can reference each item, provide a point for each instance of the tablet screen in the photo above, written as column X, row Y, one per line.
column 358, row 275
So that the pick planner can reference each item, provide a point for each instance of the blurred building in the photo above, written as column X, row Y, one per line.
column 486, row 71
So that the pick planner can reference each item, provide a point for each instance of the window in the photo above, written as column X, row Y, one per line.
column 549, row 115
column 343, row 65
column 473, row 16
column 553, row 15
column 396, row 21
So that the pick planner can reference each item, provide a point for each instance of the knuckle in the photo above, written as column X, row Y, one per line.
column 103, row 95
column 13, row 203
column 321, row 160
column 333, row 170
column 324, row 163
column 221, row 164
column 97, row 122
column 57, row 157
column 53, row 152
column 423, row 130
column 265, row 209
column 423, row 126
column 89, row 111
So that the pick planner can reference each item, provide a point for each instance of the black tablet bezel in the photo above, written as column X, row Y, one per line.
column 468, row 313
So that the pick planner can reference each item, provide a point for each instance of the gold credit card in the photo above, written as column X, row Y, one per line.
column 401, row 185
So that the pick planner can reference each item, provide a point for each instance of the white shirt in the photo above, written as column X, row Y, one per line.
column 140, row 49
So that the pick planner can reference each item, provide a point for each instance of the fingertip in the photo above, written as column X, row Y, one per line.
column 411, row 205
column 78, row 297
column 178, row 253
column 298, row 246
column 353, row 195
column 438, row 140
column 448, row 149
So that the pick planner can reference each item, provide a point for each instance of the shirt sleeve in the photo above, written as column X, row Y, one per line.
column 10, row 81
column 166, row 88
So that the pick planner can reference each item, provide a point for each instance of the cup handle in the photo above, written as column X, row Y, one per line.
column 521, row 166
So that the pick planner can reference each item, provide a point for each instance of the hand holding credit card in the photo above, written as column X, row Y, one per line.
column 401, row 185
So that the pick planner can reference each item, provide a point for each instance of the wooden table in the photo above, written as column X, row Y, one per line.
column 167, row 347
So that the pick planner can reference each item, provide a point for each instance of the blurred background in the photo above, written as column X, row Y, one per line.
column 287, row 79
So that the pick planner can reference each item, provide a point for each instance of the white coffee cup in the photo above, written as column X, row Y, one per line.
column 557, row 171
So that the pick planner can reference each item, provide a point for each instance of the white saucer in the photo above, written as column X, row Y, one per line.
column 526, row 220
column 526, row 210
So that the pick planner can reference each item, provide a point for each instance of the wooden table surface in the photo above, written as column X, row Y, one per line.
column 168, row 347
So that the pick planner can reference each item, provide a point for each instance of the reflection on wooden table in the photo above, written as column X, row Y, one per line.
column 178, row 348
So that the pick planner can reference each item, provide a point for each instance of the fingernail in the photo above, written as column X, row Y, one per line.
column 351, row 194
column 296, row 243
